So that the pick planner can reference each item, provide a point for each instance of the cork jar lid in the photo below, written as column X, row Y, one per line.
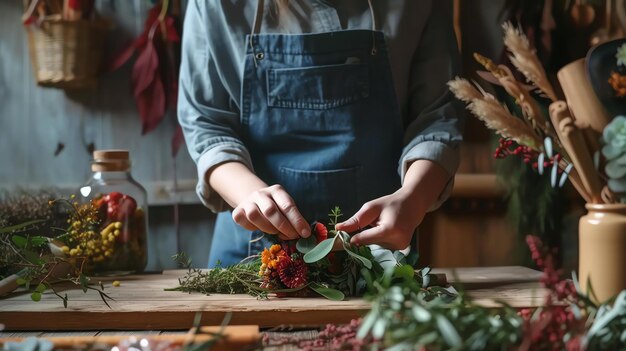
column 112, row 160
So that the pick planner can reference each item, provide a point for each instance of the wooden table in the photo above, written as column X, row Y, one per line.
column 142, row 304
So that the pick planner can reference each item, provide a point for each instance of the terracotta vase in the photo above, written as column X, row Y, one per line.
column 602, row 236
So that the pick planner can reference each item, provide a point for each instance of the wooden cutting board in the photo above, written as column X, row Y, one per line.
column 142, row 303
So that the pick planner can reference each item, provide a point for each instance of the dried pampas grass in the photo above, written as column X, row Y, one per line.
column 464, row 90
column 525, row 59
column 499, row 119
column 494, row 115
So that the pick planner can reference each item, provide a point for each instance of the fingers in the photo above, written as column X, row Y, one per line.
column 375, row 235
column 389, row 237
column 288, row 208
column 250, row 217
column 272, row 211
column 364, row 217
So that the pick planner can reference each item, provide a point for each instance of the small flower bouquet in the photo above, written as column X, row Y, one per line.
column 324, row 264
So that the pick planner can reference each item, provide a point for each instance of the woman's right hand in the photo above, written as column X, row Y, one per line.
column 271, row 210
column 258, row 206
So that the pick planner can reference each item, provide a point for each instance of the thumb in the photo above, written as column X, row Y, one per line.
column 364, row 217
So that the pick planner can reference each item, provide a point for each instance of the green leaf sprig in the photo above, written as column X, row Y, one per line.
column 319, row 252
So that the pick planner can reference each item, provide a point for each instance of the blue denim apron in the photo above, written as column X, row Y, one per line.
column 320, row 117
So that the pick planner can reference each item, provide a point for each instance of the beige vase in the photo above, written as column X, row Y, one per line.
column 602, row 236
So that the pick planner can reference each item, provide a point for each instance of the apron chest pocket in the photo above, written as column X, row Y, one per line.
column 317, row 192
column 318, row 87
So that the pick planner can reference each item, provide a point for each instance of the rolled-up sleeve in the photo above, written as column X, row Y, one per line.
column 205, row 109
column 434, row 128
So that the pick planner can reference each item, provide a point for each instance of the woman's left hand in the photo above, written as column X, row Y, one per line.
column 392, row 219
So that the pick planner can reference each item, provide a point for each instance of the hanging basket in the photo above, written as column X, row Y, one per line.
column 66, row 54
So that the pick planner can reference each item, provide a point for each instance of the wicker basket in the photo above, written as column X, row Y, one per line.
column 67, row 54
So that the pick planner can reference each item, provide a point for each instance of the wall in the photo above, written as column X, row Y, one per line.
column 35, row 120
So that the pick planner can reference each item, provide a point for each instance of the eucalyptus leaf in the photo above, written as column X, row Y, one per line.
column 399, row 256
column 404, row 346
column 427, row 339
column 448, row 332
column 305, row 245
column 329, row 293
column 367, row 323
column 320, row 251
column 364, row 261
column 345, row 237
column 378, row 330
column 421, row 314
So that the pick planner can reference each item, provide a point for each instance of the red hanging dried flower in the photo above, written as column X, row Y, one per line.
column 292, row 273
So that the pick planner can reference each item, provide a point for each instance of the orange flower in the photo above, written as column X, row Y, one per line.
column 270, row 258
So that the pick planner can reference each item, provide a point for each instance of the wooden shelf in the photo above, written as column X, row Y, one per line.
column 477, row 186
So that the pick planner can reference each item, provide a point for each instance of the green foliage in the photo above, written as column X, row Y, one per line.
column 329, row 293
column 355, row 254
column 334, row 215
column 240, row 278
column 405, row 315
column 305, row 245
column 320, row 251
column 33, row 262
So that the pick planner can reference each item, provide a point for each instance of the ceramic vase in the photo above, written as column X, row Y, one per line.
column 602, row 237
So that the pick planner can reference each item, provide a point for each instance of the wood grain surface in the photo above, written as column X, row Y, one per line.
column 142, row 303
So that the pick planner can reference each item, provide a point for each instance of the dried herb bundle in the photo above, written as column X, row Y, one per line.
column 237, row 279
column 21, row 206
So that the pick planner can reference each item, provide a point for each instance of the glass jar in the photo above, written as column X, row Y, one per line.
column 120, row 207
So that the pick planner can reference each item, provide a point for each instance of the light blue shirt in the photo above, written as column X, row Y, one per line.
column 422, row 52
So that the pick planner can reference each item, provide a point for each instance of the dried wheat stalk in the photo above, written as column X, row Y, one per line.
column 525, row 59
column 494, row 115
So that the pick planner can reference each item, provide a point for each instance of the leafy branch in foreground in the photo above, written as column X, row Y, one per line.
column 40, row 256
column 407, row 315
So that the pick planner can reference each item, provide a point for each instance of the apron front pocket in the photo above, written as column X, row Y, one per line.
column 318, row 87
column 317, row 192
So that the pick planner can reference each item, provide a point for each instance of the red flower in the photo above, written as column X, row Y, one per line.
column 292, row 273
column 321, row 233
